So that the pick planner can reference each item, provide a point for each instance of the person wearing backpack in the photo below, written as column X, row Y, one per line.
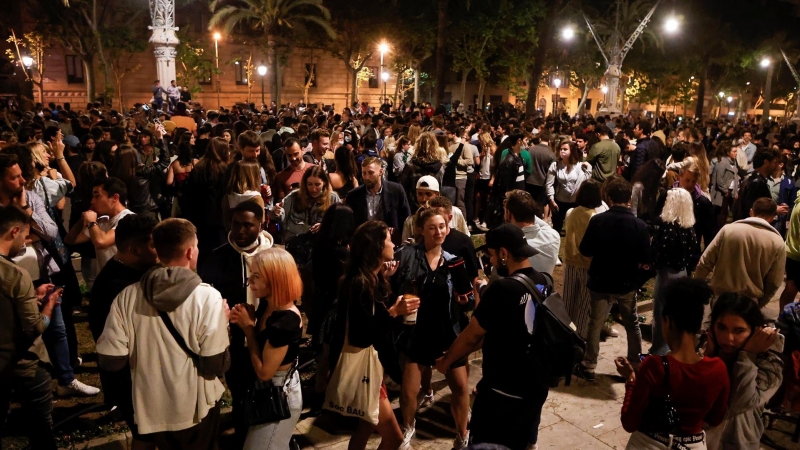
column 507, row 409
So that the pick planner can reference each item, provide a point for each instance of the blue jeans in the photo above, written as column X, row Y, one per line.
column 664, row 276
column 35, row 395
column 55, row 340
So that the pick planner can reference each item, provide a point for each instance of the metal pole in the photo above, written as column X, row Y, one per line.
column 381, row 78
column 216, row 58
column 555, row 105
column 262, row 89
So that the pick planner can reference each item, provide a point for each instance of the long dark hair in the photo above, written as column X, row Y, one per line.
column 345, row 163
column 366, row 247
column 125, row 164
column 88, row 173
column 738, row 305
column 337, row 227
column 102, row 152
column 266, row 163
column 215, row 161
column 650, row 176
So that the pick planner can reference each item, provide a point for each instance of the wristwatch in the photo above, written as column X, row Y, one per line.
column 27, row 206
column 91, row 224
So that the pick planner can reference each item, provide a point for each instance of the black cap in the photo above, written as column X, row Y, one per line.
column 509, row 237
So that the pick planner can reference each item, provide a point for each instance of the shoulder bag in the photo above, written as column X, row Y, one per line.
column 660, row 416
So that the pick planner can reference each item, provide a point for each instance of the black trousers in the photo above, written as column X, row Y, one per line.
column 469, row 198
column 500, row 419
column 36, row 398
column 561, row 214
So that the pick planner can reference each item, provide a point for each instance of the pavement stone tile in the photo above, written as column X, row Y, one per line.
column 616, row 438
column 585, row 408
column 565, row 436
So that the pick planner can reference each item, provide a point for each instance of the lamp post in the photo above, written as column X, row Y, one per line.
column 767, row 64
column 729, row 99
column 262, row 70
column 383, row 47
column 27, row 61
column 557, row 83
column 216, row 59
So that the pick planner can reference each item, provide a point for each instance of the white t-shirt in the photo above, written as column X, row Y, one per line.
column 104, row 255
column 168, row 392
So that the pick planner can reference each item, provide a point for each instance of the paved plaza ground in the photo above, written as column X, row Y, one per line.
column 582, row 416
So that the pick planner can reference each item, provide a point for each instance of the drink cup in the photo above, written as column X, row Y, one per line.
column 410, row 319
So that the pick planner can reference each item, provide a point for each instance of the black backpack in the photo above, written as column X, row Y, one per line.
column 554, row 348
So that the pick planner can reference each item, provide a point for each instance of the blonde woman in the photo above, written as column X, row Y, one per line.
column 51, row 184
column 414, row 132
column 698, row 156
column 274, row 329
column 673, row 244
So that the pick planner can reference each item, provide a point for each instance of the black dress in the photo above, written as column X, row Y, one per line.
column 283, row 328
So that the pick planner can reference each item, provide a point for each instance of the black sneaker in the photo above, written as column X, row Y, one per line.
column 583, row 372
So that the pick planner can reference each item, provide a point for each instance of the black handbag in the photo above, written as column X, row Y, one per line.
column 266, row 403
column 660, row 416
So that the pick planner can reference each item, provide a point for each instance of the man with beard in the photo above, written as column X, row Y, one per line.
column 288, row 179
column 21, row 322
column 378, row 199
column 227, row 270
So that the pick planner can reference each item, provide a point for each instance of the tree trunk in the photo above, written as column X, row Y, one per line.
column 701, row 88
column 440, row 50
column 355, row 85
column 767, row 96
column 397, row 87
column 274, row 86
column 582, row 105
column 465, row 74
column 544, row 41
column 88, row 76
column 481, row 88
column 416, row 84
column 658, row 102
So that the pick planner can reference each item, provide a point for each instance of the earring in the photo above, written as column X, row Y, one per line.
column 502, row 262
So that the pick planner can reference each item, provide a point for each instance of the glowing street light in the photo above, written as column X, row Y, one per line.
column 691, row 78
column 217, row 37
column 27, row 61
column 568, row 33
column 262, row 70
column 721, row 94
column 765, row 63
column 383, row 47
column 729, row 99
column 671, row 25
column 604, row 89
column 557, row 83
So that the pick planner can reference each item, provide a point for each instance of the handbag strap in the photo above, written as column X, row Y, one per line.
column 665, row 362
column 177, row 336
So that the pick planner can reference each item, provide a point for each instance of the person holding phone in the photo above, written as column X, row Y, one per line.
column 697, row 385
column 752, row 353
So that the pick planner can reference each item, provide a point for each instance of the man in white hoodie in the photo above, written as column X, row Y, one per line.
column 227, row 269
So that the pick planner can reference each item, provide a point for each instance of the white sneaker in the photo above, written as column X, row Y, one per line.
column 610, row 331
column 532, row 447
column 461, row 442
column 77, row 389
column 408, row 434
column 558, row 261
column 425, row 400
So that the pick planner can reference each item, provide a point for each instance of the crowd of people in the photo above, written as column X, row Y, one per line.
column 216, row 245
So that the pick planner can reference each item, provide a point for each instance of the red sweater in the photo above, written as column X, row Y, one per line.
column 699, row 393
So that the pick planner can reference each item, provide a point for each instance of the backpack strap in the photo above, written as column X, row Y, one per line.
column 529, row 285
column 177, row 336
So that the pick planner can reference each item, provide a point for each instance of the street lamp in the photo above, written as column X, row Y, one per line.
column 568, row 33
column 27, row 61
column 383, row 47
column 557, row 83
column 262, row 70
column 671, row 25
column 217, row 37
column 385, row 78
column 729, row 99
column 604, row 89
column 767, row 64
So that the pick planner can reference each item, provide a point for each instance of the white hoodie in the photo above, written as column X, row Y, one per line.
column 264, row 242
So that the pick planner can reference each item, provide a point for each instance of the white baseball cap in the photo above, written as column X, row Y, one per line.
column 428, row 182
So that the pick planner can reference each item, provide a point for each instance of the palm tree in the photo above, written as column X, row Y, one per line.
column 276, row 19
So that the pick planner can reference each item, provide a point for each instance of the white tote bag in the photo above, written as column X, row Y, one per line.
column 355, row 387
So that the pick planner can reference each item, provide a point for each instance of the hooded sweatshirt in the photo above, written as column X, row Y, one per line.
column 171, row 392
column 263, row 242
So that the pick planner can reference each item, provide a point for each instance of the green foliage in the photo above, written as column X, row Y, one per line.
column 194, row 66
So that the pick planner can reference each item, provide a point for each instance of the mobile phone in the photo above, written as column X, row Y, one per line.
column 642, row 356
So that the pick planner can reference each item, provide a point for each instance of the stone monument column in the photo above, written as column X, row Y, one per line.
column 162, row 15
